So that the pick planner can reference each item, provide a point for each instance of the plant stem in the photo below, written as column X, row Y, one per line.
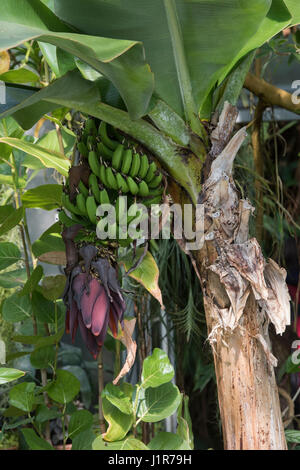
column 185, row 85
column 100, row 390
column 259, row 166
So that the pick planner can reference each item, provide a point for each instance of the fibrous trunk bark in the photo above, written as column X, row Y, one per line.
column 242, row 294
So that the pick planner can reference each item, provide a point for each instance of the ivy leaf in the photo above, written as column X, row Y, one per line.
column 8, row 375
column 80, row 421
column 9, row 254
column 65, row 387
column 118, row 423
column 22, row 396
column 11, row 279
column 16, row 308
column 120, row 396
column 168, row 441
column 158, row 403
column 35, row 442
column 157, row 369
column 53, row 286
column 5, row 211
column 146, row 273
column 39, row 341
column 40, row 358
column 12, row 220
column 130, row 443
column 33, row 281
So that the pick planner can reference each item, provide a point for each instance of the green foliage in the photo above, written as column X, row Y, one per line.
column 8, row 375
column 64, row 388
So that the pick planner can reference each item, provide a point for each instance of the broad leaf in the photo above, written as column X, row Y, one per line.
column 5, row 211
column 35, row 442
column 39, row 341
column 8, row 375
column 16, row 308
column 33, row 281
column 168, row 441
column 206, row 52
column 11, row 221
column 80, row 421
column 41, row 358
column 130, row 443
column 9, row 254
column 65, row 387
column 146, row 273
column 184, row 428
column 158, row 403
column 20, row 75
column 84, row 440
column 48, row 243
column 43, row 309
column 11, row 279
column 53, row 286
column 49, row 158
column 157, row 369
column 118, row 423
column 122, row 61
column 46, row 196
column 120, row 396
column 22, row 396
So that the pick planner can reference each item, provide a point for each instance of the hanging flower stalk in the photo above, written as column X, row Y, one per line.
column 107, row 170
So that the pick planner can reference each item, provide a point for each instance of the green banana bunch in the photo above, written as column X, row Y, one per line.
column 116, row 169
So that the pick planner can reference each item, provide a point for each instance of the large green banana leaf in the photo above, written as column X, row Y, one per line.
column 121, row 61
column 216, row 34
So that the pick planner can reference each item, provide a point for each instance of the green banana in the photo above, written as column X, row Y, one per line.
column 156, row 192
column 117, row 157
column 151, row 172
column 121, row 182
column 135, row 165
column 103, row 175
column 93, row 184
column 80, row 203
column 155, row 181
column 82, row 148
column 90, row 143
column 144, row 167
column 111, row 179
column 91, row 208
column 111, row 144
column 143, row 189
column 90, row 127
column 69, row 205
column 104, row 198
column 133, row 187
column 127, row 160
column 105, row 152
column 83, row 189
column 94, row 163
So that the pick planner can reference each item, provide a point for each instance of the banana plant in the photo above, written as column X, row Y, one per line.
column 167, row 74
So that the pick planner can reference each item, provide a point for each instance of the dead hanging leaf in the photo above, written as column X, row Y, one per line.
column 147, row 273
column 248, row 260
column 131, row 347
column 277, row 305
column 237, row 290
column 54, row 257
column 4, row 61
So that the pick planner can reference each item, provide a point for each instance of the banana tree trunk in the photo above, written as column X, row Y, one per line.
column 242, row 294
